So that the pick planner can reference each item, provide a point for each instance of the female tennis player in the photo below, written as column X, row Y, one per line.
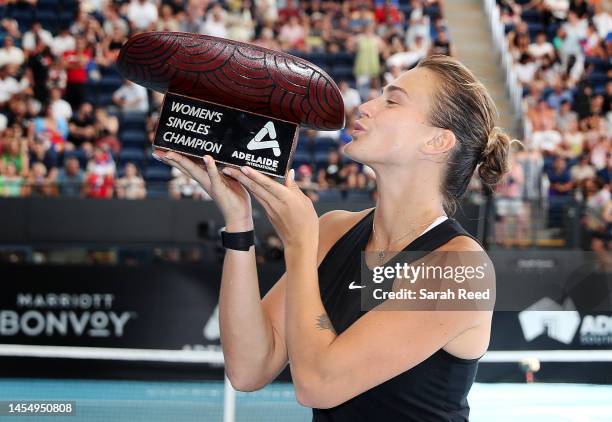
column 423, row 137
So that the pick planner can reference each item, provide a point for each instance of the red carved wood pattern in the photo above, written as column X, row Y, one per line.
column 235, row 74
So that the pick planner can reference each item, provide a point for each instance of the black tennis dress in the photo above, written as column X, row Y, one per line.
column 434, row 390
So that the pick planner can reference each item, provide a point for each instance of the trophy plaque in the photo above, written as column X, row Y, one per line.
column 240, row 103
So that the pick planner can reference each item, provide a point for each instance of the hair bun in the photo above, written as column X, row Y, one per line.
column 494, row 158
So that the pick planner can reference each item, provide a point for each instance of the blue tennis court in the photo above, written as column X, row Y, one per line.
column 204, row 401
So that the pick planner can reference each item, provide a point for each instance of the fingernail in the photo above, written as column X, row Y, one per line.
column 226, row 171
column 245, row 169
column 205, row 158
column 292, row 175
column 157, row 157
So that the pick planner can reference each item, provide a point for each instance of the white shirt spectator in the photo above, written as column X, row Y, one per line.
column 603, row 23
column 8, row 87
column 525, row 72
column 558, row 8
column 546, row 140
column 29, row 42
column 11, row 55
column 62, row 43
column 135, row 97
column 351, row 98
column 575, row 32
column 214, row 26
column 419, row 26
column 538, row 50
column 61, row 109
column 142, row 13
column 404, row 59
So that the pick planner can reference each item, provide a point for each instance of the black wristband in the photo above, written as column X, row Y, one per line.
column 240, row 241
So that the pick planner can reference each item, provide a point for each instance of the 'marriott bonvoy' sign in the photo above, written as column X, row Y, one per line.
column 231, row 136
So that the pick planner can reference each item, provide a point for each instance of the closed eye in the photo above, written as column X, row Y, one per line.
column 391, row 102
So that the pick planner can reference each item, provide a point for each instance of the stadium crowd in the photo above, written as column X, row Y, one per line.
column 69, row 124
column 562, row 52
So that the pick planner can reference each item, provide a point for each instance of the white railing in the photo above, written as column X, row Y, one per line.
column 513, row 86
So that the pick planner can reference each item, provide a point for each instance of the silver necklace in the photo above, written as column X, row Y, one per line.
column 381, row 253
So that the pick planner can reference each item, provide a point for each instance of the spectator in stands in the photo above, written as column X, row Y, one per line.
column 604, row 175
column 38, row 182
column 102, row 163
column 526, row 69
column 167, row 21
column 49, row 129
column 10, row 54
column 581, row 172
column 107, row 54
column 292, row 34
column 16, row 153
column 368, row 47
column 11, row 183
column 215, row 24
column 82, row 126
column 183, row 187
column 131, row 185
column 351, row 97
column 9, row 85
column 75, row 62
column 597, row 220
column 71, row 178
column 131, row 97
column 559, row 94
column 541, row 47
column 106, row 127
column 575, row 30
column 113, row 20
column 511, row 218
column 41, row 154
column 566, row 116
column 60, row 107
column 99, row 180
column 36, row 32
column 354, row 178
column 442, row 45
column 418, row 25
column 303, row 178
column 64, row 41
column 559, row 191
column 142, row 15
column 331, row 175
column 241, row 26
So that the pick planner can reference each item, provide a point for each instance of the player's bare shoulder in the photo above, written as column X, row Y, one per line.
column 334, row 224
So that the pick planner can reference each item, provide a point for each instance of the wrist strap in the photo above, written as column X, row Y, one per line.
column 240, row 241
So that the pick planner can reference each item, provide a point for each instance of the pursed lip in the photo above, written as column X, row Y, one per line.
column 358, row 126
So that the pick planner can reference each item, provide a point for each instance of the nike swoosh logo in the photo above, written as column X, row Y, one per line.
column 355, row 286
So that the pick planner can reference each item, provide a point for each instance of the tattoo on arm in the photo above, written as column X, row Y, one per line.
column 324, row 323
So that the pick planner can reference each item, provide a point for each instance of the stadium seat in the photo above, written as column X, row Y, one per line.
column 132, row 155
column 343, row 58
column 302, row 157
column 321, row 158
column 110, row 83
column 530, row 15
column 341, row 71
column 134, row 138
column 358, row 195
column 132, row 117
column 156, row 190
column 325, row 144
column 330, row 195
column 79, row 154
column 157, row 174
